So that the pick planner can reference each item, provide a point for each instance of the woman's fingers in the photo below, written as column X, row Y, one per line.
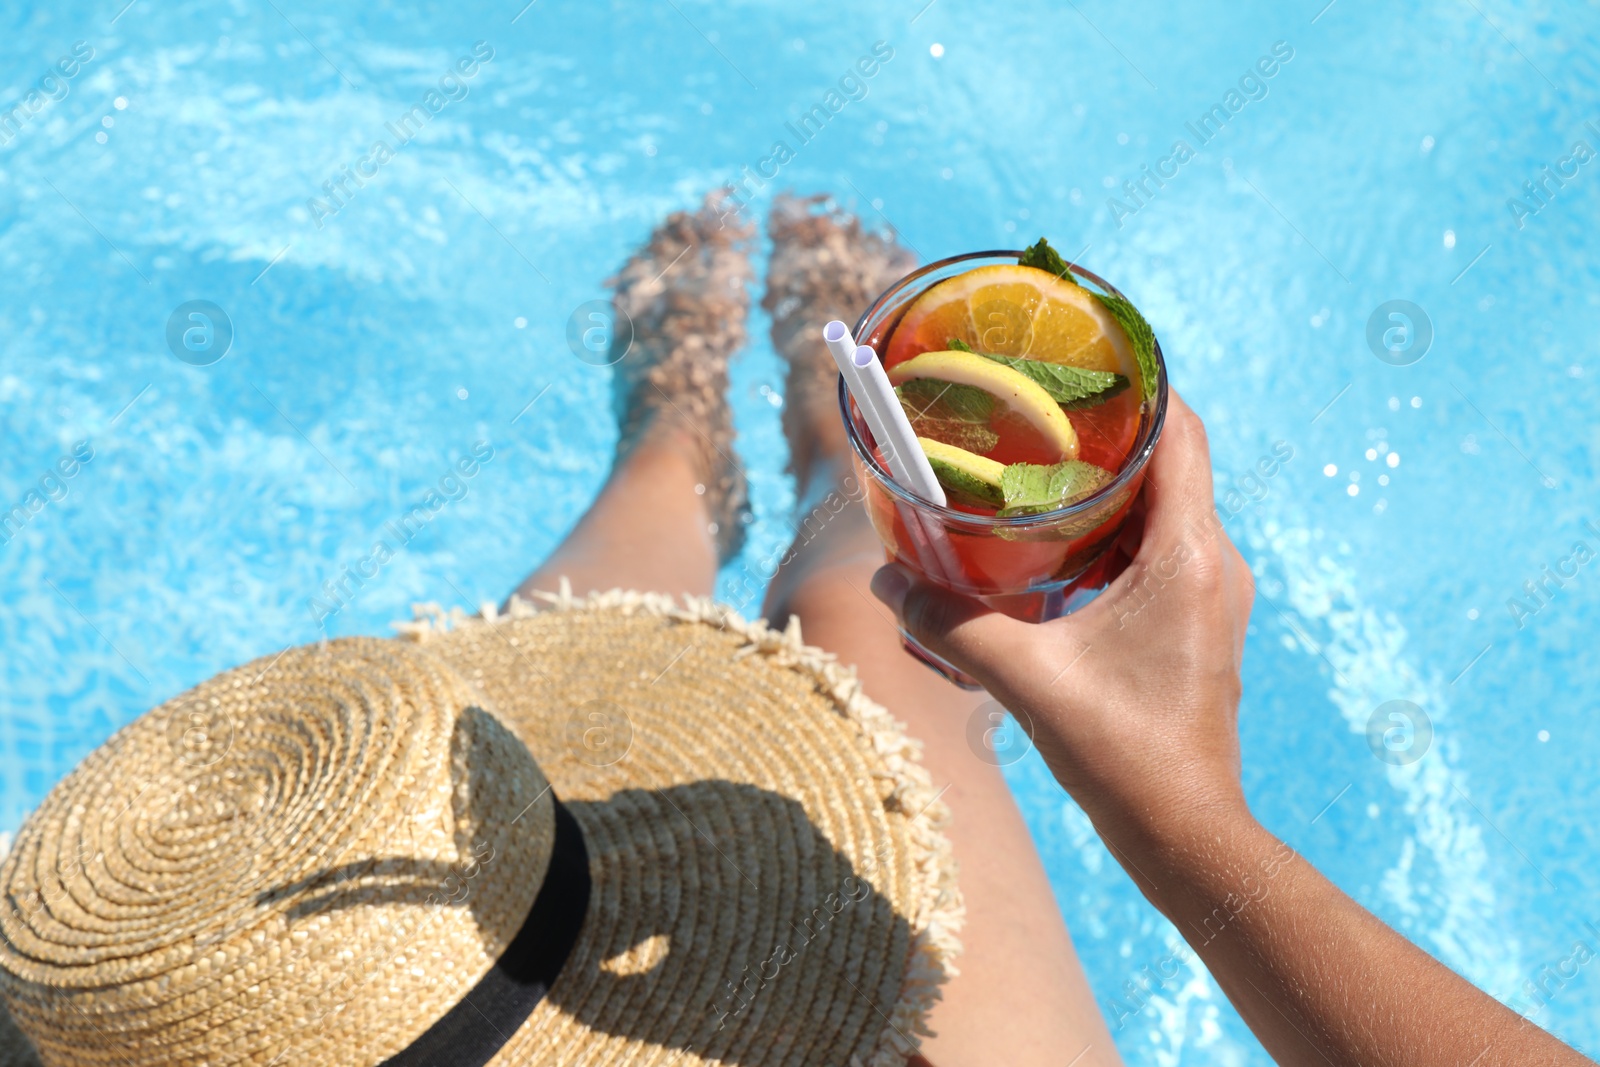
column 1177, row 485
column 986, row 644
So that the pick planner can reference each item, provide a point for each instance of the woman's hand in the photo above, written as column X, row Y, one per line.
column 1133, row 703
column 1133, row 700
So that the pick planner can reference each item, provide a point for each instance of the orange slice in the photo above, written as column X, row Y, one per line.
column 1012, row 310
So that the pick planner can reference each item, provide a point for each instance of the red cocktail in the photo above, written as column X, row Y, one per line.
column 1037, row 392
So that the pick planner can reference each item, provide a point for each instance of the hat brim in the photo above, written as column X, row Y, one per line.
column 769, row 878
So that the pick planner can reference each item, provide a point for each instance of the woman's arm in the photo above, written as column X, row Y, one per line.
column 1133, row 703
column 1317, row 977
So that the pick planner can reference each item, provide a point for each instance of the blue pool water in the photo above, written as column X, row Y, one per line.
column 375, row 344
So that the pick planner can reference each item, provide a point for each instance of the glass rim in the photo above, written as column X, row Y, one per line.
column 1143, row 446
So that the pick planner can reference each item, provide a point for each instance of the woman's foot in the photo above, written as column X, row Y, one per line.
column 686, row 294
column 824, row 266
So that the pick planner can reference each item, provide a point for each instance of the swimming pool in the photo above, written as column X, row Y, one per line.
column 383, row 333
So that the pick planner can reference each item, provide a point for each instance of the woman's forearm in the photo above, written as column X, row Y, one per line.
column 1318, row 978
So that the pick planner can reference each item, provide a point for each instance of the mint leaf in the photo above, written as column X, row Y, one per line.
column 1032, row 488
column 1042, row 256
column 958, row 345
column 954, row 414
column 1071, row 387
column 1140, row 336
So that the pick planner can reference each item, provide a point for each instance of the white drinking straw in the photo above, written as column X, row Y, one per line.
column 869, row 385
column 864, row 377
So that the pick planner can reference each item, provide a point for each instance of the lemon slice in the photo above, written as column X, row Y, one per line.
column 1012, row 310
column 1026, row 398
column 967, row 478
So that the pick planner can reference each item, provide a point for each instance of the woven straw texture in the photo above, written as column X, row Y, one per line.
column 271, row 854
column 770, row 884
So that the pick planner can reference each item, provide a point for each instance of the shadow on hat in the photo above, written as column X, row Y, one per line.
column 15, row 1050
column 611, row 830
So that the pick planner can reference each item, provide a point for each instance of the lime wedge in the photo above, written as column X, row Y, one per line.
column 967, row 478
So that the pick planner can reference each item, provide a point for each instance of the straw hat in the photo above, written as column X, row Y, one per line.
column 346, row 855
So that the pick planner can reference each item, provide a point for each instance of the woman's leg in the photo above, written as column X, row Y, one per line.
column 1021, row 997
column 674, row 500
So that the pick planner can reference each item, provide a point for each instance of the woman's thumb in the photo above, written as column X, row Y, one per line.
column 958, row 629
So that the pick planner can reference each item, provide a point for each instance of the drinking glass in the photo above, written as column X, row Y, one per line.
column 1031, row 567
